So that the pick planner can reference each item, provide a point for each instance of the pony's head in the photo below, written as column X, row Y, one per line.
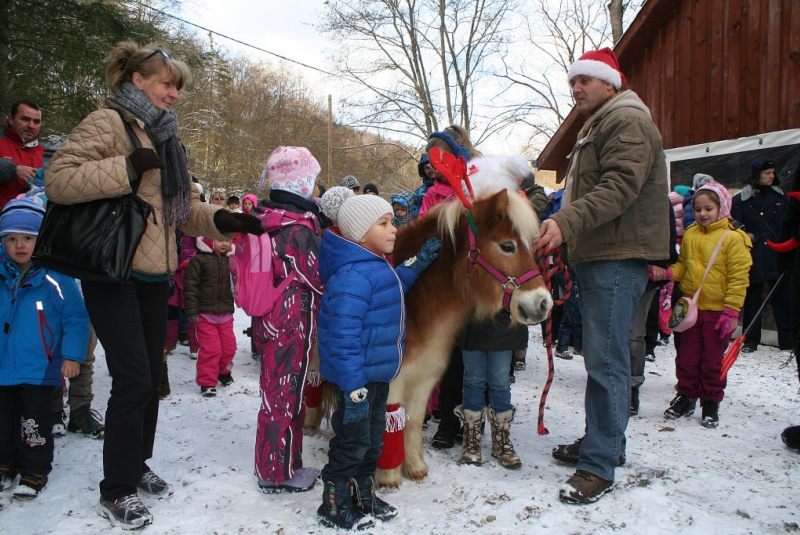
column 504, row 227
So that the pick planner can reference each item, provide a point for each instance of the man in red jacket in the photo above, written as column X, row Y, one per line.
column 20, row 145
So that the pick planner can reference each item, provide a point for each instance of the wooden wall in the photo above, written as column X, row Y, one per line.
column 720, row 69
column 709, row 70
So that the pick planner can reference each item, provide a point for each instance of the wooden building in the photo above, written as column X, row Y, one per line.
column 710, row 70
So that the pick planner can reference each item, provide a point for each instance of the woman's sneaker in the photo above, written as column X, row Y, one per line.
column 127, row 512
column 153, row 486
column 680, row 406
column 710, row 414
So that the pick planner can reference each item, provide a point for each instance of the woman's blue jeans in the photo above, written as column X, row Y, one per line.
column 480, row 368
column 610, row 292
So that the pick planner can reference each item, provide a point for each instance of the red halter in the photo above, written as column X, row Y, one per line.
column 509, row 283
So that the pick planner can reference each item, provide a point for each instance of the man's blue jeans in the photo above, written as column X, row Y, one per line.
column 610, row 292
column 487, row 367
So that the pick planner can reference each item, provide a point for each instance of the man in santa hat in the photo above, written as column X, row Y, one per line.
column 613, row 220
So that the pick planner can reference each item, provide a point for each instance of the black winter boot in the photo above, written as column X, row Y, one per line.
column 710, row 414
column 369, row 503
column 449, row 427
column 337, row 508
column 634, row 400
column 680, row 406
column 791, row 437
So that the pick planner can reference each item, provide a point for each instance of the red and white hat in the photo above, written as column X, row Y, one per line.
column 601, row 64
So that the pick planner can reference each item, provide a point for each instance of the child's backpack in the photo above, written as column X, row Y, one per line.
column 254, row 283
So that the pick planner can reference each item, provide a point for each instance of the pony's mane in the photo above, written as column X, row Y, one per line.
column 500, row 174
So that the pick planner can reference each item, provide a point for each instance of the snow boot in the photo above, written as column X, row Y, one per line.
column 59, row 429
column 680, row 406
column 584, row 487
column 30, row 485
column 502, row 448
column 369, row 503
column 86, row 420
column 473, row 432
column 791, row 437
column 518, row 359
column 449, row 426
column 9, row 474
column 710, row 414
column 337, row 508
column 634, row 400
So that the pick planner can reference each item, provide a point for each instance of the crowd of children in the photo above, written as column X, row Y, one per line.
column 344, row 294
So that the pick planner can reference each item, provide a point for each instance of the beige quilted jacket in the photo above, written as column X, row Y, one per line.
column 92, row 165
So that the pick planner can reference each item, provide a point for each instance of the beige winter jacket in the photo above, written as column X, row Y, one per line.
column 92, row 164
column 618, row 208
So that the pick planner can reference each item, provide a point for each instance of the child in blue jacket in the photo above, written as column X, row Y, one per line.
column 44, row 336
column 361, row 333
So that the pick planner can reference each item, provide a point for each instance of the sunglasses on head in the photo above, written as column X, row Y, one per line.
column 158, row 51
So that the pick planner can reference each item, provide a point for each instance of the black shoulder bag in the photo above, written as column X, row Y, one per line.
column 94, row 241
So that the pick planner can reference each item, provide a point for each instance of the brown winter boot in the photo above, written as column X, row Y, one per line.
column 163, row 388
column 502, row 448
column 473, row 432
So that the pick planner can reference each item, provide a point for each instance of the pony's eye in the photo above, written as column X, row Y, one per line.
column 508, row 247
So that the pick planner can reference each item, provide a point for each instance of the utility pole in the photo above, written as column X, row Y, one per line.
column 330, row 141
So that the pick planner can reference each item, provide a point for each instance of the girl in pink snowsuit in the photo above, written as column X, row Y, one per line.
column 290, row 329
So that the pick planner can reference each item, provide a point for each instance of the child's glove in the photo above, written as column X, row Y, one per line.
column 354, row 407
column 38, row 180
column 657, row 273
column 425, row 257
column 727, row 322
column 226, row 221
column 194, row 318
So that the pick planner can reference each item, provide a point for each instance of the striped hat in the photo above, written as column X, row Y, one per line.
column 21, row 216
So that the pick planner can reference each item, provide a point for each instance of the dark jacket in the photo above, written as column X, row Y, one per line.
column 207, row 283
column 362, row 319
column 761, row 211
column 494, row 334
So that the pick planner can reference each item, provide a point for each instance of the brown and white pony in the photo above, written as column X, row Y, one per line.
column 447, row 294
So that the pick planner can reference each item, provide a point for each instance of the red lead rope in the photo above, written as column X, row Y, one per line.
column 550, row 264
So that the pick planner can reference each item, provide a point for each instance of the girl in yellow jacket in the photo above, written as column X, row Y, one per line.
column 699, row 359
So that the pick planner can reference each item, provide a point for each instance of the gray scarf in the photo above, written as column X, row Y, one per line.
column 176, row 182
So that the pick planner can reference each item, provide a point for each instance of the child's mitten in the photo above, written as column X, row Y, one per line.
column 354, row 407
column 727, row 322
column 425, row 257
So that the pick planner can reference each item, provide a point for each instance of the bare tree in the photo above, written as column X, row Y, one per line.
column 558, row 33
column 418, row 61
column 617, row 11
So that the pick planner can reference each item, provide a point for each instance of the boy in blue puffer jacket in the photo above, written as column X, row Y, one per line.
column 44, row 336
column 361, row 333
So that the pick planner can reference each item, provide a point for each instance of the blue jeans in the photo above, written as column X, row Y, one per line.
column 480, row 368
column 610, row 292
column 355, row 448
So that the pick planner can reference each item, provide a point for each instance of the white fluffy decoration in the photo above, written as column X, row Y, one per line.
column 490, row 174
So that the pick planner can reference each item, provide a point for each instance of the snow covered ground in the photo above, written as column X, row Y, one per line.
column 679, row 477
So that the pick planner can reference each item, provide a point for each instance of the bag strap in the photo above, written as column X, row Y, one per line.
column 136, row 144
column 711, row 263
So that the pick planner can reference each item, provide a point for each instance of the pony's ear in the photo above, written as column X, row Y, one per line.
column 498, row 206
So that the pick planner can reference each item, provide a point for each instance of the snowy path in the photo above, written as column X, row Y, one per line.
column 738, row 478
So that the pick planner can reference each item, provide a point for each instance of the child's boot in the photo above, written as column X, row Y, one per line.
column 502, row 448
column 680, row 406
column 445, row 436
column 337, row 508
column 7, row 476
column 30, row 485
column 473, row 432
column 710, row 414
column 369, row 503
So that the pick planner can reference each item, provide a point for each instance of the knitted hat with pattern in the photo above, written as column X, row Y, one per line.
column 332, row 200
column 21, row 216
column 358, row 213
column 291, row 169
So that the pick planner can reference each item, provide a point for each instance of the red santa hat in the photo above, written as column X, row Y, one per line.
column 601, row 64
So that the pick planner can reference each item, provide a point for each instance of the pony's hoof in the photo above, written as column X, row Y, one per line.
column 310, row 430
column 388, row 478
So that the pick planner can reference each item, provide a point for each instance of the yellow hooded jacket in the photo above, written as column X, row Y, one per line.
column 726, row 283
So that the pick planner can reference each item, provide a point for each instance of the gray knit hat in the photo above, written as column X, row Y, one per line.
column 332, row 200
column 358, row 213
column 350, row 182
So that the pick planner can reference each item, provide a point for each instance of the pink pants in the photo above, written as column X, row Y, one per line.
column 699, row 360
column 217, row 348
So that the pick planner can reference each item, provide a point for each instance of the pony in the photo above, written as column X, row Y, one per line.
column 503, row 227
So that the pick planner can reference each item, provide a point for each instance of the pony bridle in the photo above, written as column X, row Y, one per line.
column 455, row 171
column 510, row 284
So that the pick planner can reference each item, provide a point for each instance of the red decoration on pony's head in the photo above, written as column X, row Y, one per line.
column 454, row 170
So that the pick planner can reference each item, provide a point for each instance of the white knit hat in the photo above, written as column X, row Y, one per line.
column 358, row 213
column 601, row 64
